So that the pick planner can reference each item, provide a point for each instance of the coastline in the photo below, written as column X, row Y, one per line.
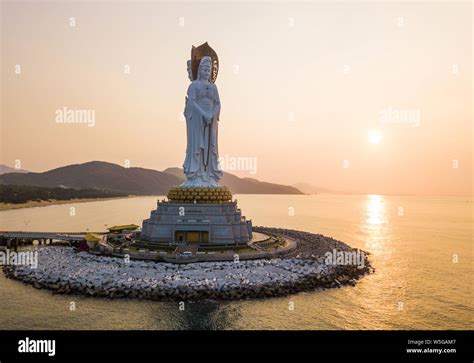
column 46, row 203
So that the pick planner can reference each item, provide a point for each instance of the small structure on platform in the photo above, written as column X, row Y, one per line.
column 126, row 228
column 91, row 241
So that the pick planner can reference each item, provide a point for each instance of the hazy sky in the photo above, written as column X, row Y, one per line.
column 301, row 86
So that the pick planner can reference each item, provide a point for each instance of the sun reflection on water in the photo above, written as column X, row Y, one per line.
column 375, row 223
column 375, row 210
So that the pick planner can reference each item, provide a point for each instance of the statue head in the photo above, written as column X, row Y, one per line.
column 190, row 70
column 197, row 54
column 205, row 68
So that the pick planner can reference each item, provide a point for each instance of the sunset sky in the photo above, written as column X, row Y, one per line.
column 311, row 91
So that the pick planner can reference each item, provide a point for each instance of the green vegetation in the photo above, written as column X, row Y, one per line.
column 223, row 247
column 270, row 243
column 247, row 250
column 17, row 194
column 154, row 246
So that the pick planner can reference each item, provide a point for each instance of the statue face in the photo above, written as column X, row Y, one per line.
column 205, row 71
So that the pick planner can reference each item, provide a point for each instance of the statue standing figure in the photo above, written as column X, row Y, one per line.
column 202, row 109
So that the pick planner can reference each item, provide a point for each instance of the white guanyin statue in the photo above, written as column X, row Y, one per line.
column 202, row 109
column 214, row 217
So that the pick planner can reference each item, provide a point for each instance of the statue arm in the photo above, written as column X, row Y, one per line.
column 190, row 101
column 217, row 105
column 192, row 105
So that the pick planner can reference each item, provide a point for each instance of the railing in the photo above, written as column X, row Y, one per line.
column 71, row 236
column 23, row 233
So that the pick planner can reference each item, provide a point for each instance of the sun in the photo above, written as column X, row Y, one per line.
column 375, row 136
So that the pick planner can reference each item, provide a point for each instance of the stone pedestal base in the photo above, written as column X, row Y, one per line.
column 197, row 215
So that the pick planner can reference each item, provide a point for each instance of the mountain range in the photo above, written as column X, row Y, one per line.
column 133, row 181
column 312, row 189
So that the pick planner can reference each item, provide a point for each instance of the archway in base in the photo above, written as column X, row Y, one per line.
column 191, row 236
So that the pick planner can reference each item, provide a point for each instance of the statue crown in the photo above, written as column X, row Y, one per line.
column 197, row 53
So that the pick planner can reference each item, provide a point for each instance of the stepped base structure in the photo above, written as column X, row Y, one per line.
column 197, row 215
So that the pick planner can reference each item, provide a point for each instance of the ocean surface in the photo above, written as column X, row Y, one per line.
column 414, row 244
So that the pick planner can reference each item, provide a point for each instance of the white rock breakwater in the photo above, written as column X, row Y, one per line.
column 66, row 271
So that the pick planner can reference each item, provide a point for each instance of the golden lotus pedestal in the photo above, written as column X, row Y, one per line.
column 203, row 215
column 200, row 195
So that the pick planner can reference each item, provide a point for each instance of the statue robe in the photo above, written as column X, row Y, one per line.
column 201, row 165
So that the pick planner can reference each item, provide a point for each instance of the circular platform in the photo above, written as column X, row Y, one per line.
column 258, row 237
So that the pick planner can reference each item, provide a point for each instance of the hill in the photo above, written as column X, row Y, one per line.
column 312, row 189
column 6, row 169
column 98, row 175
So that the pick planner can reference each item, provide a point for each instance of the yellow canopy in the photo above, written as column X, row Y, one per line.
column 91, row 238
column 120, row 228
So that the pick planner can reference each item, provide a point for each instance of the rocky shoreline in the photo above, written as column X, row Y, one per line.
column 66, row 271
